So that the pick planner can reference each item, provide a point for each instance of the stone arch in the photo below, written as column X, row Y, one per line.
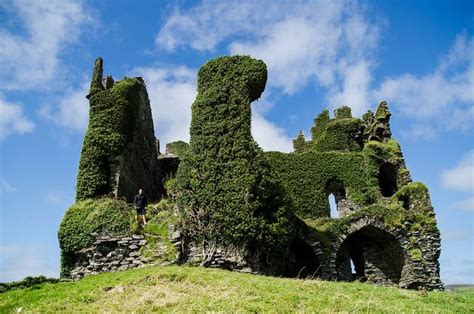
column 388, row 179
column 376, row 253
column 337, row 189
column 302, row 260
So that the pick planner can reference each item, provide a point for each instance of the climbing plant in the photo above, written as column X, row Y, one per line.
column 106, row 216
column 226, row 191
column 111, row 125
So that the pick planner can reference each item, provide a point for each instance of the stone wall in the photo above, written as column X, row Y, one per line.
column 219, row 258
column 114, row 254
column 119, row 150
column 386, row 255
column 109, row 254
column 138, row 162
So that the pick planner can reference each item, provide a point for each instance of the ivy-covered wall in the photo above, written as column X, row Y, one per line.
column 118, row 153
column 340, row 152
column 105, row 216
column 306, row 177
column 177, row 149
column 358, row 162
column 225, row 188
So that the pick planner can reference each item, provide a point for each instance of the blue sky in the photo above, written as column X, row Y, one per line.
column 417, row 55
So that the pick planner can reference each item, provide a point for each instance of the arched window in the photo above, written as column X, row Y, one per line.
column 333, row 206
column 388, row 179
column 336, row 193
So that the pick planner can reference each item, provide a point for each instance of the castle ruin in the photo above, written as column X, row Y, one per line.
column 246, row 209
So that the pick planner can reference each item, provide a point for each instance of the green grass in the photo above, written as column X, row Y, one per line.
column 193, row 289
column 157, row 228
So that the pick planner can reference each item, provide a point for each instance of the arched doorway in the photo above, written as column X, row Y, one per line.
column 376, row 256
column 302, row 262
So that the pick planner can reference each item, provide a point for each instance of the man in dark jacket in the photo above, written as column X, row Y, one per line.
column 140, row 206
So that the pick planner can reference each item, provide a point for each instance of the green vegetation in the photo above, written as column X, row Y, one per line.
column 113, row 113
column 320, row 125
column 225, row 190
column 306, row 176
column 343, row 112
column 26, row 283
column 188, row 289
column 106, row 216
column 157, row 230
column 391, row 212
column 416, row 254
column 178, row 148
column 299, row 143
column 342, row 134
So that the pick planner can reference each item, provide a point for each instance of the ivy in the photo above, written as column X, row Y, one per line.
column 306, row 176
column 106, row 216
column 113, row 113
column 178, row 148
column 226, row 191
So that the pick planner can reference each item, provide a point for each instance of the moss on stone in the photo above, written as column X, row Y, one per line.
column 96, row 82
column 299, row 144
column 105, row 216
column 416, row 254
column 343, row 134
column 382, row 113
column 320, row 125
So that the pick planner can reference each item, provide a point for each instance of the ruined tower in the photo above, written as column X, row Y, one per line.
column 119, row 154
column 385, row 231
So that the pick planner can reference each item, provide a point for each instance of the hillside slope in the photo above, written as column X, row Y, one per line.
column 185, row 289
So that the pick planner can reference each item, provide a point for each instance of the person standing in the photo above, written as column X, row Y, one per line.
column 140, row 202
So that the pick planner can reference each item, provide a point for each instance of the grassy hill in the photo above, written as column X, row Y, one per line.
column 185, row 289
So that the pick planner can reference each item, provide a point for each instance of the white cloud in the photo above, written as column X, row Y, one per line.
column 456, row 234
column 60, row 197
column 39, row 31
column 461, row 177
column 467, row 204
column 267, row 134
column 332, row 45
column 205, row 26
column 71, row 110
column 172, row 91
column 301, row 42
column 12, row 119
column 441, row 100
column 354, row 91
column 418, row 131
column 18, row 262
column 6, row 187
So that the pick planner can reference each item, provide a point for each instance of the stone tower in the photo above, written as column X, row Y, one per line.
column 119, row 152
